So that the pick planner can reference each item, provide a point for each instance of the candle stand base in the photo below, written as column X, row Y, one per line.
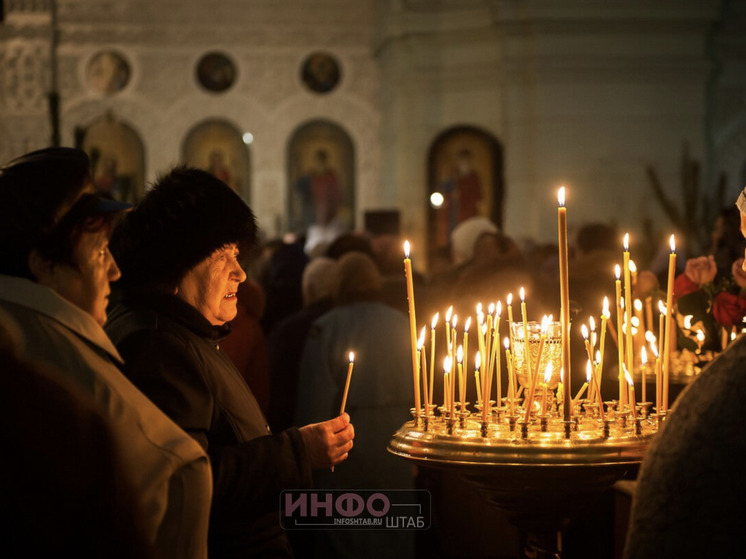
column 541, row 479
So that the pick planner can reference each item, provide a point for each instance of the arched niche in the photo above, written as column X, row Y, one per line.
column 321, row 177
column 465, row 168
column 217, row 146
column 117, row 157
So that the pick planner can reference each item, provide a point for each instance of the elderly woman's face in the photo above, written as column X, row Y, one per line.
column 85, row 282
column 211, row 286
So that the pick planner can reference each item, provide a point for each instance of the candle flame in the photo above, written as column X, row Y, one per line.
column 662, row 308
column 352, row 357
column 499, row 308
column 506, row 342
column 584, row 331
column 467, row 324
column 449, row 312
column 688, row 321
column 635, row 322
column 548, row 373
column 672, row 242
column 477, row 361
column 561, row 197
column 491, row 308
column 523, row 294
column 638, row 305
column 434, row 323
column 626, row 242
column 447, row 364
column 643, row 355
column 650, row 337
column 628, row 376
column 606, row 312
column 598, row 356
column 545, row 320
column 509, row 299
column 592, row 323
column 479, row 308
column 454, row 321
column 632, row 266
column 654, row 348
column 421, row 339
column 460, row 354
column 588, row 370
column 617, row 271
column 701, row 336
column 406, row 249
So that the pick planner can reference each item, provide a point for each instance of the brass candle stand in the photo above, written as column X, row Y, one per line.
column 528, row 466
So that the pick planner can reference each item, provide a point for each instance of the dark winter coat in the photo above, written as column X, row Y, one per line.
column 173, row 355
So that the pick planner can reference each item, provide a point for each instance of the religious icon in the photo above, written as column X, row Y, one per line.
column 320, row 72
column 216, row 72
column 107, row 73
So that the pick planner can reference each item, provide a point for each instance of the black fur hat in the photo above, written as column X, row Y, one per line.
column 184, row 218
column 36, row 191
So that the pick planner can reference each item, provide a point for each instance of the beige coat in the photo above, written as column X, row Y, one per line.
column 168, row 469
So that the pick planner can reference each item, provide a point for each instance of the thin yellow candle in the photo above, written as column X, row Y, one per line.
column 605, row 315
column 433, row 324
column 447, row 383
column 477, row 382
column 534, row 379
column 547, row 378
column 509, row 304
column 412, row 331
column 449, row 312
column 620, row 333
column 511, row 382
column 644, row 363
column 597, row 387
column 488, row 337
column 467, row 325
column 669, row 321
column 640, row 336
column 454, row 336
column 460, row 366
column 495, row 360
column 628, row 306
column 423, row 371
column 482, row 351
column 526, row 351
column 592, row 326
column 650, row 337
column 648, row 313
column 632, row 400
column 564, row 300
column 347, row 383
column 453, row 379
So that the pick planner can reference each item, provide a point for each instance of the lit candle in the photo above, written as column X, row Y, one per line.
column 482, row 354
column 654, row 348
column 526, row 345
column 412, row 330
column 423, row 371
column 347, row 383
column 644, row 363
column 547, row 378
column 638, row 322
column 628, row 306
column 605, row 315
column 449, row 312
column 454, row 335
column 433, row 324
column 447, row 383
column 460, row 366
column 620, row 333
column 477, row 363
column 467, row 324
column 528, row 404
column 632, row 401
column 495, row 360
column 511, row 382
column 597, row 386
column 669, row 321
column 564, row 300
column 509, row 303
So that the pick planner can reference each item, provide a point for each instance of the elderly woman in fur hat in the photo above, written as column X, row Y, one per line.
column 178, row 250
column 55, row 272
